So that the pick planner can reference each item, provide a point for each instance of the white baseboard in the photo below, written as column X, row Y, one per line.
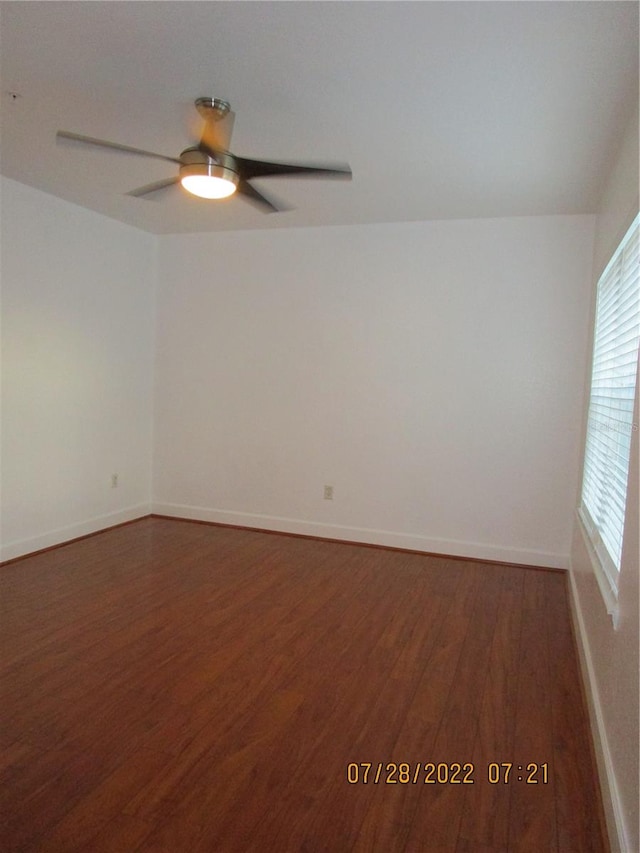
column 608, row 785
column 73, row 531
column 364, row 535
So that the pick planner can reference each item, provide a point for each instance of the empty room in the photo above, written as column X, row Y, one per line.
column 319, row 427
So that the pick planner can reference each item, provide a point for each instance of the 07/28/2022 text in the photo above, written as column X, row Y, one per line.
column 442, row 773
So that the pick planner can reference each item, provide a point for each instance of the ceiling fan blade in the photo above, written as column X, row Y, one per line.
column 261, row 201
column 261, row 169
column 147, row 189
column 103, row 143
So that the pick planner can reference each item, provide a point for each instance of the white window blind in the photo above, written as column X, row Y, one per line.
column 610, row 421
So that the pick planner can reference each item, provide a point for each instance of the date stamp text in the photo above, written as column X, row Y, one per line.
column 446, row 773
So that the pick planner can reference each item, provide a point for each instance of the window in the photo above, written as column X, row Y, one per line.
column 610, row 420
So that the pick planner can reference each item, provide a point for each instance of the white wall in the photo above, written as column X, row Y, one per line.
column 428, row 371
column 610, row 656
column 431, row 372
column 77, row 359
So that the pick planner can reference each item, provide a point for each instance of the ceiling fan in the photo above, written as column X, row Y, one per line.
column 209, row 169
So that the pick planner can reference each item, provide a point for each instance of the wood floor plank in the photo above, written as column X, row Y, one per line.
column 532, row 823
column 580, row 820
column 438, row 818
column 326, row 786
column 485, row 815
column 121, row 833
column 61, row 780
column 315, row 680
column 171, row 686
column 250, row 682
column 389, row 820
column 94, row 815
column 375, row 742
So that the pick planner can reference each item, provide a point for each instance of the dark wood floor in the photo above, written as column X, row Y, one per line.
column 177, row 687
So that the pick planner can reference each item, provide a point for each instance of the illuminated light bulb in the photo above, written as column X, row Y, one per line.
column 208, row 186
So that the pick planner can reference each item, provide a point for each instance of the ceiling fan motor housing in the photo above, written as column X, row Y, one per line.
column 193, row 161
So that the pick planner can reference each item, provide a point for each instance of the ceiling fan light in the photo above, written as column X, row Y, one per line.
column 208, row 180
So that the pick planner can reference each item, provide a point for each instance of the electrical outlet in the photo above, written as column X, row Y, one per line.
column 328, row 493
column 114, row 481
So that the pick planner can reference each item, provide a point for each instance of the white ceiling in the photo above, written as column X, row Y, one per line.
column 442, row 109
